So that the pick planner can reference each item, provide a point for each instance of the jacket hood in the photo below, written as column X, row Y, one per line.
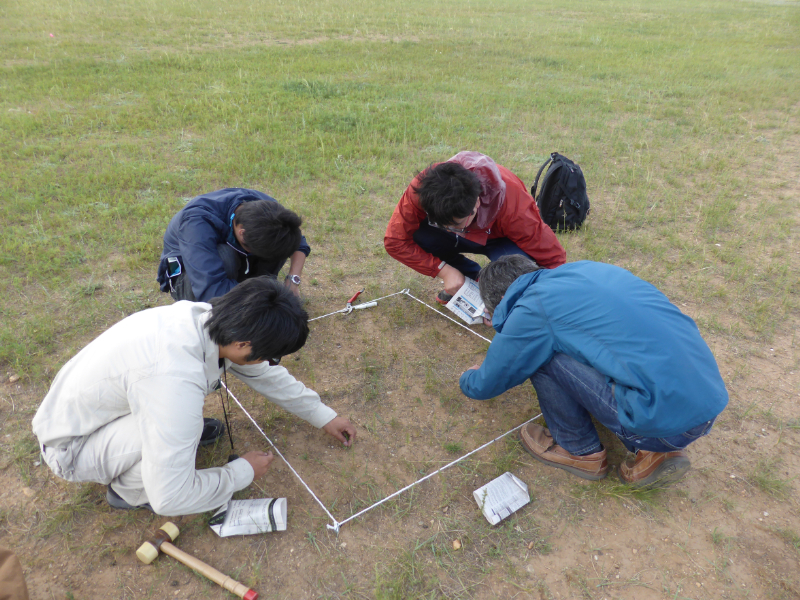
column 493, row 188
column 514, row 292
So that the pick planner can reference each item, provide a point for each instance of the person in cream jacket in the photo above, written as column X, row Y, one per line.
column 127, row 410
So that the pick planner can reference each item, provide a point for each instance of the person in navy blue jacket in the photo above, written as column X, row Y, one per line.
column 597, row 341
column 222, row 238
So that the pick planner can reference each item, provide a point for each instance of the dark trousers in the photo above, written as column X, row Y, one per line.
column 237, row 267
column 451, row 248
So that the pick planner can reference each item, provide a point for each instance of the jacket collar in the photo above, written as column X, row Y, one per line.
column 211, row 367
column 231, row 239
column 514, row 292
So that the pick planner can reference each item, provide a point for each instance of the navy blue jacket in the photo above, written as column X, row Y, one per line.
column 194, row 233
column 667, row 380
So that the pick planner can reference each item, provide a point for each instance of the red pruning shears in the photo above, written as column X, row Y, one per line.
column 350, row 308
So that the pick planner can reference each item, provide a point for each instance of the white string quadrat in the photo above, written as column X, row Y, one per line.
column 336, row 525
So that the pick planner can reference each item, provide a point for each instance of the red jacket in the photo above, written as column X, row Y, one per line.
column 518, row 220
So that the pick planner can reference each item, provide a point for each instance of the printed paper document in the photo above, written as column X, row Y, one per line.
column 501, row 497
column 467, row 303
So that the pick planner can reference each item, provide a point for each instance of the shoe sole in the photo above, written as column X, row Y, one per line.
column 667, row 473
column 567, row 468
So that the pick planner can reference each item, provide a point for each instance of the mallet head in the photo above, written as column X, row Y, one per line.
column 148, row 551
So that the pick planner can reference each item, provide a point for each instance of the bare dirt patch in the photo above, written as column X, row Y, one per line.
column 724, row 532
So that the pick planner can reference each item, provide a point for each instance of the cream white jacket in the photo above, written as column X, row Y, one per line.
column 159, row 365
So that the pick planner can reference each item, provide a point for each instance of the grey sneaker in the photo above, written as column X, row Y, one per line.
column 115, row 501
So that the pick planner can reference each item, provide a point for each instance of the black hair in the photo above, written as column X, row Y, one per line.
column 271, row 231
column 263, row 312
column 495, row 277
column 448, row 192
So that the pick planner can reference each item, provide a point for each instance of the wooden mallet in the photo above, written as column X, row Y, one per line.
column 162, row 541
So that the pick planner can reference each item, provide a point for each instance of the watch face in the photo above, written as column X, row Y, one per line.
column 295, row 279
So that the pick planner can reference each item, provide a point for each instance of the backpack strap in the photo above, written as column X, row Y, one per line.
column 539, row 174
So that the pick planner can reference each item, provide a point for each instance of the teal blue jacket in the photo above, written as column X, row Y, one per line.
column 667, row 380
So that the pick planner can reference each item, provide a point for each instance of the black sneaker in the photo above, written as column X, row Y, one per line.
column 443, row 297
column 115, row 501
column 212, row 431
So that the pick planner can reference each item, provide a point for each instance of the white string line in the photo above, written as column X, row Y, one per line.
column 337, row 524
column 407, row 292
column 336, row 312
column 447, row 466
column 446, row 317
column 296, row 474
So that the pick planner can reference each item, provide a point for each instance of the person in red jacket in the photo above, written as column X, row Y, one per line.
column 469, row 204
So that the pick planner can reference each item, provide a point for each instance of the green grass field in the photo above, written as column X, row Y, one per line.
column 684, row 115
column 114, row 113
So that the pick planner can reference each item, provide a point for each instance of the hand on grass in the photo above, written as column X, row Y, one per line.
column 473, row 368
column 342, row 430
column 453, row 279
column 260, row 461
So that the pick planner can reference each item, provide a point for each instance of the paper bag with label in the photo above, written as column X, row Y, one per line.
column 243, row 517
column 501, row 497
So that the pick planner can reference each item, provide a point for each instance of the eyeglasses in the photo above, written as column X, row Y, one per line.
column 452, row 229
column 447, row 227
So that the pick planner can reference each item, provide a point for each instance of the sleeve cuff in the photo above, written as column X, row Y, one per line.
column 242, row 473
column 323, row 415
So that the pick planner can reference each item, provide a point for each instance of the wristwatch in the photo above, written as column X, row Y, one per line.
column 295, row 279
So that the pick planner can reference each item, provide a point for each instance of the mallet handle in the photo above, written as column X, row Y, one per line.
column 198, row 565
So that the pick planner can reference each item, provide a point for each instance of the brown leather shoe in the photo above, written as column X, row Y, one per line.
column 654, row 469
column 540, row 444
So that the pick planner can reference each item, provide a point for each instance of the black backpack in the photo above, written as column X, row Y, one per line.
column 562, row 201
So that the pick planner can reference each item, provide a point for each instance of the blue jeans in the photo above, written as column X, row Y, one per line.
column 450, row 248
column 570, row 393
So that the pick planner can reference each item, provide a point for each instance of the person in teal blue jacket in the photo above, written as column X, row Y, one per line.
column 595, row 340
